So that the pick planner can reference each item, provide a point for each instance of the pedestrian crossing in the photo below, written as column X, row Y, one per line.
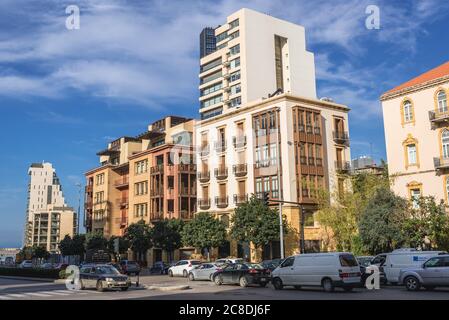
column 44, row 294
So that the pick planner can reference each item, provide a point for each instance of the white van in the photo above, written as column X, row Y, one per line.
column 398, row 259
column 328, row 270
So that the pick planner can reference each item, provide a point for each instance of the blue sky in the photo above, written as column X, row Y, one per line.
column 65, row 94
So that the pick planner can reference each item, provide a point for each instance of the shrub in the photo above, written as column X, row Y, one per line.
column 34, row 273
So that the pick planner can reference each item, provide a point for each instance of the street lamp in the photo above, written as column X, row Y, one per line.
column 79, row 208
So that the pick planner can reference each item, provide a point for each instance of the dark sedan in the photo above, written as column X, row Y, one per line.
column 160, row 267
column 103, row 277
column 243, row 274
column 271, row 264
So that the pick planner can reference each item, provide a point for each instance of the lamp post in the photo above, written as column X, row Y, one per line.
column 79, row 208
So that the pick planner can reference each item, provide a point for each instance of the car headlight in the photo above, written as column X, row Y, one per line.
column 109, row 279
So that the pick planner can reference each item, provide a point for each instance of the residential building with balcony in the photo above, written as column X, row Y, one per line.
column 416, row 122
column 48, row 218
column 250, row 62
column 149, row 177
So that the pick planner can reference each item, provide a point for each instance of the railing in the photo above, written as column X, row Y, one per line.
column 121, row 182
column 204, row 176
column 239, row 142
column 123, row 221
column 204, row 150
column 186, row 215
column 157, row 192
column 319, row 162
column 439, row 115
column 221, row 202
column 441, row 163
column 122, row 201
column 240, row 170
column 204, row 204
column 239, row 198
column 262, row 164
column 156, row 216
column 220, row 146
column 157, row 169
column 187, row 167
column 221, row 173
column 341, row 137
column 342, row 166
column 187, row 191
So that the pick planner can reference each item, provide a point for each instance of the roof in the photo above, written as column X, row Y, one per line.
column 436, row 73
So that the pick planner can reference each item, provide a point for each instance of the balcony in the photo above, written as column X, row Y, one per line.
column 122, row 202
column 240, row 199
column 156, row 216
column 185, row 215
column 221, row 202
column 221, row 173
column 204, row 177
column 220, row 146
column 122, row 221
column 441, row 164
column 341, row 137
column 342, row 166
column 157, row 192
column 438, row 117
column 204, row 204
column 186, row 191
column 239, row 142
column 262, row 164
column 240, row 170
column 122, row 182
column 159, row 169
column 89, row 188
column 204, row 150
column 190, row 168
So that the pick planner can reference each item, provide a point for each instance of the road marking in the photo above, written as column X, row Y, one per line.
column 16, row 295
column 37, row 294
column 55, row 292
column 66, row 292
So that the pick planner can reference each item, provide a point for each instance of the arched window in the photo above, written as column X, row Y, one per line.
column 445, row 143
column 411, row 153
column 447, row 189
column 407, row 111
column 442, row 101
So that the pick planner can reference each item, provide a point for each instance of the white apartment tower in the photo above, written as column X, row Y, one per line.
column 255, row 55
column 48, row 218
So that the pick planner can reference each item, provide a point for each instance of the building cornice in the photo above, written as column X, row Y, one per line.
column 415, row 88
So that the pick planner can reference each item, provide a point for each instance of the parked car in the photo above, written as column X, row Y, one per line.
column 271, row 264
column 103, row 277
column 433, row 273
column 242, row 274
column 229, row 261
column 183, row 267
column 204, row 271
column 328, row 270
column 130, row 267
column 403, row 259
column 159, row 267
column 60, row 266
column 47, row 265
column 26, row 264
column 117, row 266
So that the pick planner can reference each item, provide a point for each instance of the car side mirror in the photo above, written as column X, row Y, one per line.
column 424, row 266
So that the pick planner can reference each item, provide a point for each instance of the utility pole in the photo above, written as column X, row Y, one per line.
column 79, row 208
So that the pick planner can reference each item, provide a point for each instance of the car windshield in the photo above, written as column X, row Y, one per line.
column 348, row 260
column 106, row 270
column 254, row 266
column 365, row 262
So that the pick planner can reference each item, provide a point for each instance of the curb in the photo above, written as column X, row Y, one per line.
column 29, row 279
column 167, row 288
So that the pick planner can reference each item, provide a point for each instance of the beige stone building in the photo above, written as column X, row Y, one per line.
column 263, row 129
column 148, row 177
column 416, row 121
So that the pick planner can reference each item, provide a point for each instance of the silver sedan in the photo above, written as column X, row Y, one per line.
column 204, row 271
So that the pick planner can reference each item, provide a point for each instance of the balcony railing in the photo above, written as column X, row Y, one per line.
column 204, row 204
column 240, row 198
column 157, row 192
column 122, row 221
column 439, row 116
column 262, row 164
column 221, row 173
column 221, row 202
column 240, row 170
column 204, row 150
column 204, row 176
column 159, row 169
column 341, row 137
column 186, row 191
column 186, row 215
column 342, row 166
column 155, row 216
column 220, row 146
column 122, row 202
column 239, row 142
column 122, row 182
column 187, row 167
column 441, row 163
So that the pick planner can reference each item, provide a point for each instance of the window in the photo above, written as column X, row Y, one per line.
column 288, row 262
column 99, row 197
column 211, row 113
column 415, row 194
column 236, row 89
column 234, row 76
column 407, row 112
column 445, row 143
column 435, row 263
column 235, row 102
column 141, row 167
column 211, row 89
column 411, row 153
column 235, row 63
column 273, row 154
column 212, row 77
column 222, row 36
column 234, row 50
column 442, row 101
column 141, row 188
column 140, row 210
column 447, row 188
column 212, row 101
column 211, row 65
column 234, row 35
column 99, row 179
column 233, row 24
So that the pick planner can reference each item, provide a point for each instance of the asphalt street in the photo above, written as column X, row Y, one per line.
column 12, row 289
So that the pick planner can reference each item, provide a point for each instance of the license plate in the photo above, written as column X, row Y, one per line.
column 263, row 279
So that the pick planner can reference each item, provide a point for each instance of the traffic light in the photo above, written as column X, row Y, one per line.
column 266, row 198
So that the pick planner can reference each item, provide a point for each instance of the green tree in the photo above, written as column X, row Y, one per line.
column 139, row 237
column 79, row 245
column 255, row 222
column 66, row 246
column 40, row 253
column 204, row 231
column 166, row 234
column 123, row 245
column 96, row 241
column 381, row 222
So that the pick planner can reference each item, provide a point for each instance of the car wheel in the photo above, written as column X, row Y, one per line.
column 191, row 277
column 218, row 280
column 170, row 273
column 100, row 286
column 263, row 284
column 243, row 282
column 277, row 283
column 328, row 286
column 297, row 287
column 124, row 289
column 185, row 274
column 412, row 283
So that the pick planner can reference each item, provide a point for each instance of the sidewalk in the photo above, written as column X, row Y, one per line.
column 162, row 282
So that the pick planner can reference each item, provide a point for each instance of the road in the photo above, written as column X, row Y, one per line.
column 201, row 290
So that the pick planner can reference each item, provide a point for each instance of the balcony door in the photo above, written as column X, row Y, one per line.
column 445, row 143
